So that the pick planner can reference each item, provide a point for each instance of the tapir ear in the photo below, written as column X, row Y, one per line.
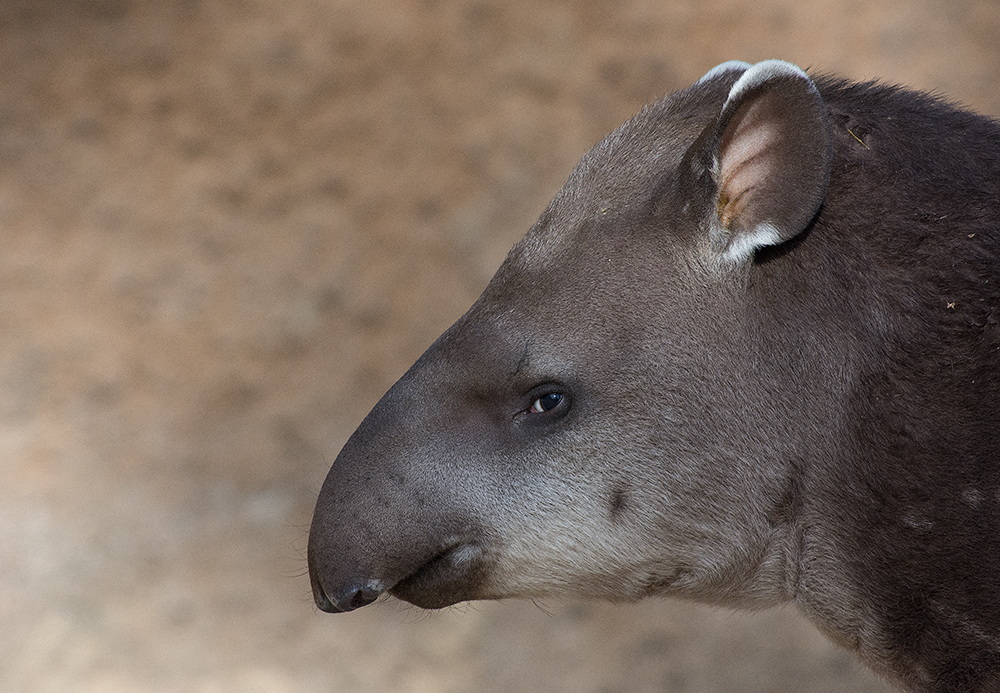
column 769, row 152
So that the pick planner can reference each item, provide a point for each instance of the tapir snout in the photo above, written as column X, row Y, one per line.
column 411, row 534
column 749, row 354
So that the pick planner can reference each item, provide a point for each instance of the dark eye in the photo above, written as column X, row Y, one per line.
column 546, row 403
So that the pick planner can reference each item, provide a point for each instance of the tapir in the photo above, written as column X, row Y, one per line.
column 749, row 354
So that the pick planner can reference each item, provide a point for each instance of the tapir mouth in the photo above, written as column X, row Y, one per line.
column 449, row 576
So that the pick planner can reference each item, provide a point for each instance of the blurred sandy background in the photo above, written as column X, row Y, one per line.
column 228, row 226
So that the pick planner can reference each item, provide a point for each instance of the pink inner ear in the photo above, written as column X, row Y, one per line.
column 745, row 162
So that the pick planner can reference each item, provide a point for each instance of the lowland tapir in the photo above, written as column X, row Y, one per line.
column 749, row 354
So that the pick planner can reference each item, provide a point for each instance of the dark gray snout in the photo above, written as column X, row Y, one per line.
column 347, row 596
column 386, row 522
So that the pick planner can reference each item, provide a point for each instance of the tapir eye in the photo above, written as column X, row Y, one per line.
column 546, row 403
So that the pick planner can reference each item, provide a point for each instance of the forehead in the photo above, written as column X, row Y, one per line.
column 617, row 178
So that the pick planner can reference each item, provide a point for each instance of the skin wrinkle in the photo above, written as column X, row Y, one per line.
column 523, row 362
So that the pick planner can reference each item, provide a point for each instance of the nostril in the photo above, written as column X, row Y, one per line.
column 352, row 596
column 345, row 596
column 362, row 597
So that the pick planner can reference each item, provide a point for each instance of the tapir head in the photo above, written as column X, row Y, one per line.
column 599, row 422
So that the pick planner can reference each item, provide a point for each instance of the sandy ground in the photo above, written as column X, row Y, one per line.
column 229, row 226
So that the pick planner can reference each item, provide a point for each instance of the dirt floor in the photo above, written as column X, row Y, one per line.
column 229, row 225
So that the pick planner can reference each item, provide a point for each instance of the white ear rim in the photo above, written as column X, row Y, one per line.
column 761, row 72
column 722, row 68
